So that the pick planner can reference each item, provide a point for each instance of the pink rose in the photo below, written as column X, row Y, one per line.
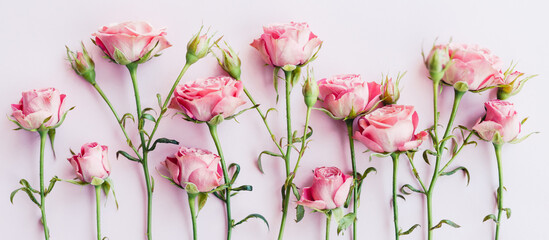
column 286, row 44
column 204, row 99
column 329, row 190
column 390, row 129
column 36, row 106
column 197, row 166
column 91, row 162
column 473, row 65
column 347, row 96
column 501, row 118
column 129, row 42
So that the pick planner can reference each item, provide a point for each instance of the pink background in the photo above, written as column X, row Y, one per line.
column 359, row 37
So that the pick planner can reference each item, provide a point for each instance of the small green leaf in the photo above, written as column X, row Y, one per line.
column 463, row 169
column 275, row 81
column 268, row 111
column 299, row 213
column 163, row 140
column 52, row 184
column 409, row 187
column 507, row 212
column 243, row 188
column 445, row 221
column 159, row 98
column 51, row 135
column 127, row 155
column 125, row 117
column 259, row 165
column 367, row 171
column 490, row 216
column 410, row 230
column 236, row 172
column 148, row 117
column 401, row 196
column 337, row 214
column 253, row 215
column 345, row 222
column 26, row 184
column 202, row 198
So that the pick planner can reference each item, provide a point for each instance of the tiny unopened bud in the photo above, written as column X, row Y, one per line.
column 82, row 64
column 512, row 84
column 198, row 47
column 389, row 90
column 310, row 91
column 437, row 60
column 230, row 62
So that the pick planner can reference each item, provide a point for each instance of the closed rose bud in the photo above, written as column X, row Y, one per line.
column 513, row 82
column 310, row 91
column 389, row 91
column 390, row 129
column 197, row 166
column 329, row 190
column 230, row 62
column 198, row 47
column 82, row 64
column 500, row 119
column 39, row 107
column 437, row 60
column 91, row 162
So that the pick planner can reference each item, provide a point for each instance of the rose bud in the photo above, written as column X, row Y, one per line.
column 198, row 47
column 389, row 91
column 474, row 66
column 329, row 190
column 347, row 96
column 82, row 64
column 437, row 60
column 197, row 166
column 204, row 99
column 37, row 106
column 92, row 162
column 131, row 42
column 230, row 62
column 511, row 84
column 310, row 91
column 500, row 119
column 390, row 129
column 286, row 44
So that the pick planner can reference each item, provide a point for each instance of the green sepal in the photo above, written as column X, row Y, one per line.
column 461, row 86
column 191, row 188
column 216, row 120
column 51, row 135
column 275, row 82
column 518, row 140
column 119, row 57
column 202, row 198
column 107, row 187
column 330, row 114
column 345, row 222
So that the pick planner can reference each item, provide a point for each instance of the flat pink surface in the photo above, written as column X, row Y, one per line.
column 359, row 37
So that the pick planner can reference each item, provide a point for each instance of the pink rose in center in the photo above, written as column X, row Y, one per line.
column 329, row 190
column 390, row 129
column 204, row 99
column 347, row 96
column 92, row 161
column 286, row 44
column 37, row 105
column 501, row 118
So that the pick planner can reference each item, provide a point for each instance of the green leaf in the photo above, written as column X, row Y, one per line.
column 299, row 213
column 268, row 111
column 409, row 187
column 426, row 157
column 445, row 221
column 507, row 212
column 26, row 184
column 29, row 193
column 52, row 184
column 367, row 171
column 51, row 135
column 125, row 117
column 202, row 198
column 337, row 214
column 148, row 117
column 296, row 192
column 159, row 98
column 410, row 230
column 345, row 222
column 163, row 140
column 490, row 216
column 401, row 196
column 236, row 172
column 127, row 155
column 97, row 181
column 243, row 188
column 463, row 169
column 259, row 165
column 275, row 81
column 108, row 180
column 253, row 215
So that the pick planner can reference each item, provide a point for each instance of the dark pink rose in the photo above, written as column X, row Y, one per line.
column 129, row 42
column 329, row 190
column 36, row 106
column 501, row 118
column 347, row 96
column 92, row 161
column 286, row 44
column 197, row 166
column 204, row 99
column 390, row 129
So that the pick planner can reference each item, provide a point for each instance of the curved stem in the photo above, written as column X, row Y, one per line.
column 349, row 123
column 328, row 221
column 497, row 148
column 132, row 67
column 303, row 140
column 286, row 200
column 98, row 210
column 457, row 152
column 395, row 156
column 192, row 206
column 213, row 132
column 43, row 135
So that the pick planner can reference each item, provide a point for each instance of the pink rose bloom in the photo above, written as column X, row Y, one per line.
column 501, row 118
column 129, row 42
column 204, row 99
column 286, row 44
column 347, row 96
column 390, row 129
column 91, row 162
column 36, row 106
column 329, row 190
column 473, row 65
column 197, row 166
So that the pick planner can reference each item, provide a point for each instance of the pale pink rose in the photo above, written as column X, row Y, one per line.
column 36, row 106
column 473, row 65
column 347, row 96
column 204, row 99
column 92, row 161
column 390, row 129
column 329, row 190
column 501, row 118
column 133, row 40
column 197, row 166
column 286, row 44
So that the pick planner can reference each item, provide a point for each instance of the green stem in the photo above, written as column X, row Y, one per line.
column 395, row 156
column 43, row 135
column 497, row 148
column 439, row 150
column 213, row 132
column 303, row 139
column 457, row 152
column 192, row 206
column 132, row 67
column 328, row 221
column 98, row 210
column 436, row 84
column 286, row 200
column 349, row 123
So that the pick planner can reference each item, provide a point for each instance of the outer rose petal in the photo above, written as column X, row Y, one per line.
column 227, row 106
column 200, row 108
column 419, row 138
column 259, row 44
column 368, row 142
column 343, row 191
column 487, row 129
column 204, row 179
column 173, row 167
column 308, row 201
